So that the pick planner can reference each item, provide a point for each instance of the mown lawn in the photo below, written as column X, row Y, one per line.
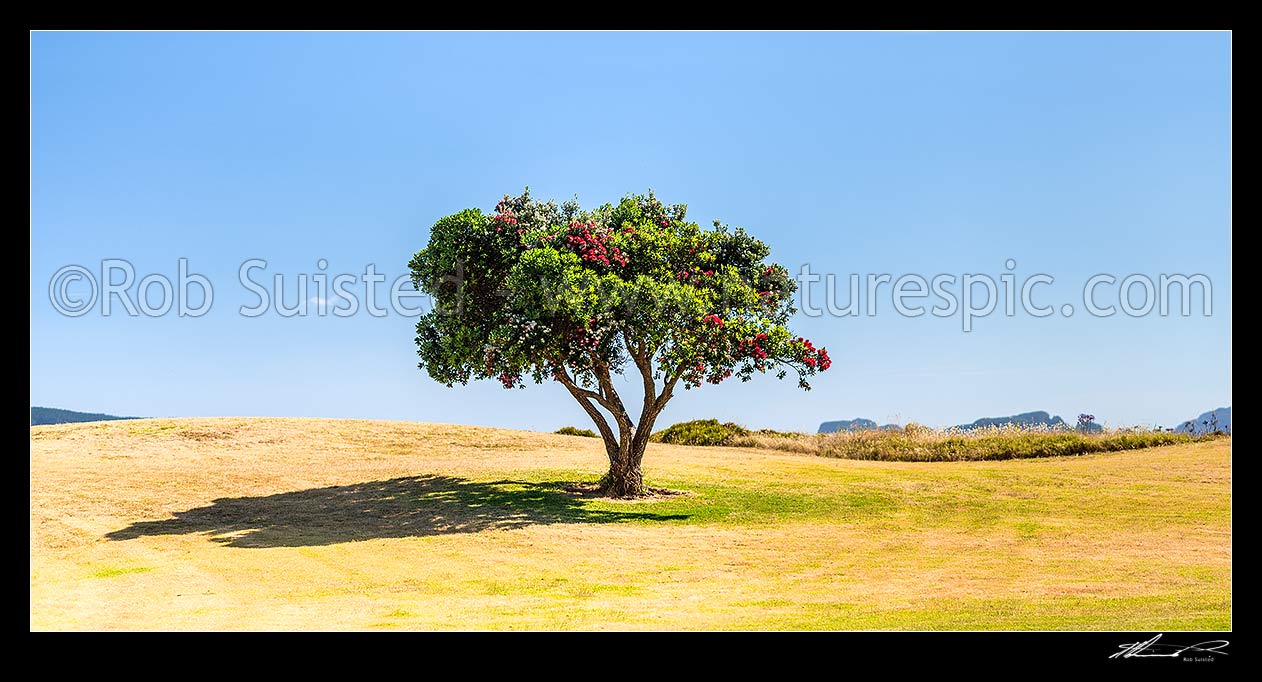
column 342, row 524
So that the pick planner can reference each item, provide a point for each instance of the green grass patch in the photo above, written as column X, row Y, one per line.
column 115, row 571
column 737, row 505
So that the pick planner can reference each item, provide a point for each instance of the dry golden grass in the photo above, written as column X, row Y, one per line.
column 916, row 443
column 337, row 524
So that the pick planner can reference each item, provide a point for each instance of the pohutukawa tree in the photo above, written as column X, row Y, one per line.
column 543, row 291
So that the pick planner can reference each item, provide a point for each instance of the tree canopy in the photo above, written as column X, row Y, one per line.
column 545, row 291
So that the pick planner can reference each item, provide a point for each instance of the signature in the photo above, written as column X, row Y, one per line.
column 1154, row 649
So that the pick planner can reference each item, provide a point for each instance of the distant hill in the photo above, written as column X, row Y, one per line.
column 859, row 424
column 1205, row 421
column 52, row 415
column 1039, row 418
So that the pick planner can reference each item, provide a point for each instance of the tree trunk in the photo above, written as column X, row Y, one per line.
column 625, row 478
column 625, row 448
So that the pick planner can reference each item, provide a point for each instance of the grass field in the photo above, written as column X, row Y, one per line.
column 267, row 524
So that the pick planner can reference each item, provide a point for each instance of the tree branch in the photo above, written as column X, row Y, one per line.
column 601, row 397
column 649, row 409
column 668, row 389
column 612, row 401
column 644, row 362
column 582, row 395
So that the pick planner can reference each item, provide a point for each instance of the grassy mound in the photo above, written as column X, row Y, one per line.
column 700, row 432
column 575, row 431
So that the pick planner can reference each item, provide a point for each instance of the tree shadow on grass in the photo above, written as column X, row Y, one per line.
column 413, row 506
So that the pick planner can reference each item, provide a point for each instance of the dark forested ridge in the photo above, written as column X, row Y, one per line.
column 53, row 415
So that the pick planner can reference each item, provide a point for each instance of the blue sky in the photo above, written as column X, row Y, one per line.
column 902, row 153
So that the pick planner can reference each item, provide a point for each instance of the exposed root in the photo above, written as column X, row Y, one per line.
column 596, row 490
